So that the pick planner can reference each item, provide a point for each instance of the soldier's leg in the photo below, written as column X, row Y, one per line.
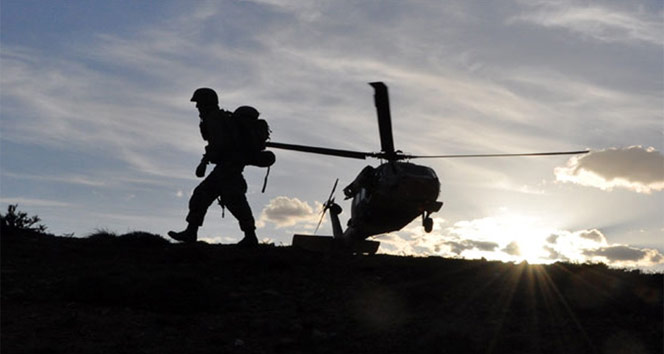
column 235, row 199
column 238, row 205
column 204, row 195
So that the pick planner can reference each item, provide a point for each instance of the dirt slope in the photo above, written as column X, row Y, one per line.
column 138, row 293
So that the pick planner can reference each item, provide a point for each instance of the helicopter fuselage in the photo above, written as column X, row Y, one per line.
column 389, row 197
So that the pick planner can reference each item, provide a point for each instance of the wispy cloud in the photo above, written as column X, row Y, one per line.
column 30, row 202
column 598, row 21
column 70, row 107
column 73, row 179
column 60, row 103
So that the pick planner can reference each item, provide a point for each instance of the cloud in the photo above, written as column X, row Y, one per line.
column 31, row 202
column 72, row 179
column 635, row 168
column 626, row 255
column 571, row 245
column 618, row 253
column 60, row 103
column 593, row 235
column 553, row 254
column 592, row 246
column 154, row 67
column 512, row 249
column 512, row 238
column 465, row 239
column 474, row 244
column 601, row 23
column 284, row 211
column 452, row 246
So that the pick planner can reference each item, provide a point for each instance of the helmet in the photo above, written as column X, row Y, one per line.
column 205, row 96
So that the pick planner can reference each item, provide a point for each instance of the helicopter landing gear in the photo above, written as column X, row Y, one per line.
column 427, row 222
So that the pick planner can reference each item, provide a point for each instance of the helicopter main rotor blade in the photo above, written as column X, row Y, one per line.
column 382, row 103
column 320, row 150
column 498, row 155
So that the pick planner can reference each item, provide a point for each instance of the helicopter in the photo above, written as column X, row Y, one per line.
column 385, row 198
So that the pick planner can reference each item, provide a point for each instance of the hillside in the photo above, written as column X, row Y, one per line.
column 138, row 293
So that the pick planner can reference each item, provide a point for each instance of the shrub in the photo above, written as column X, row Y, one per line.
column 20, row 220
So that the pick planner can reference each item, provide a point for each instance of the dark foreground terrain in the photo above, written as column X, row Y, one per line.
column 137, row 293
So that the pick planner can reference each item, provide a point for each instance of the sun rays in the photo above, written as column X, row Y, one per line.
column 511, row 236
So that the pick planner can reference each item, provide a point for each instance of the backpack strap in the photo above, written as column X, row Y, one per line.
column 223, row 207
column 267, row 173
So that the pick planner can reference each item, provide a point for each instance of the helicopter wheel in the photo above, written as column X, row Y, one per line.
column 428, row 224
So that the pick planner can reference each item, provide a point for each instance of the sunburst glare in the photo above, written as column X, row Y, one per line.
column 517, row 237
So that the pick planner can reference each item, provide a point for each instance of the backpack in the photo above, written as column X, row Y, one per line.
column 219, row 132
column 253, row 136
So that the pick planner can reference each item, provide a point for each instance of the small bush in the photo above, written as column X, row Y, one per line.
column 102, row 234
column 134, row 239
column 20, row 220
column 142, row 239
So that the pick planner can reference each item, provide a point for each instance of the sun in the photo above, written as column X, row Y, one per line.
column 530, row 248
column 519, row 237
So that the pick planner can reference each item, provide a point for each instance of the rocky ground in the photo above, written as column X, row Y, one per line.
column 138, row 293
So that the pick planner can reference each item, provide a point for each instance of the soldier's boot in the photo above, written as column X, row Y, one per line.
column 250, row 240
column 189, row 235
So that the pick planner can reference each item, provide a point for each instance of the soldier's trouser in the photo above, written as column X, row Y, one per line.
column 229, row 184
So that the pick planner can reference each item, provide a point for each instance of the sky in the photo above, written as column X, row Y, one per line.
column 97, row 131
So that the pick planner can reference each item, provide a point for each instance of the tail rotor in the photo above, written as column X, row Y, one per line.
column 327, row 205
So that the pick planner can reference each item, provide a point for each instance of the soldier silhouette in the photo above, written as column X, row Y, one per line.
column 225, row 182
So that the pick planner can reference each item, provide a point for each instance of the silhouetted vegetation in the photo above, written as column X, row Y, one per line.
column 131, row 239
column 138, row 293
column 19, row 220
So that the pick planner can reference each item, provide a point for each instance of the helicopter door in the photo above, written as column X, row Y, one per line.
column 359, row 200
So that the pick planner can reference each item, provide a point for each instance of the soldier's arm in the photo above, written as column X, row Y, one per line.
column 204, row 132
column 205, row 160
column 200, row 169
